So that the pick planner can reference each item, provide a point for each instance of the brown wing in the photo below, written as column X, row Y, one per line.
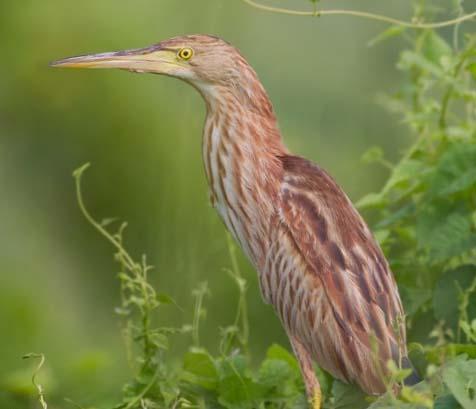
column 333, row 288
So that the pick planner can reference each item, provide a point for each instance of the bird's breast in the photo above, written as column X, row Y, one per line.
column 235, row 188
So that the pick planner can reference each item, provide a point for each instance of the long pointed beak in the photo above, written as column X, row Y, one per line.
column 150, row 59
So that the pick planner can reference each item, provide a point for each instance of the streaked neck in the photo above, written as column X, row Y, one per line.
column 241, row 149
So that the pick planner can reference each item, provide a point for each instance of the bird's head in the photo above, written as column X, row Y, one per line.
column 202, row 60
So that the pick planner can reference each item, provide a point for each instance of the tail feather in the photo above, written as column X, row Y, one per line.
column 413, row 378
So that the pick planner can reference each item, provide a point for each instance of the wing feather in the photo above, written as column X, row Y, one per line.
column 333, row 287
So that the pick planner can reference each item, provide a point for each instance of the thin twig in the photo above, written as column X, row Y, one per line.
column 144, row 391
column 242, row 311
column 77, row 174
column 39, row 388
column 199, row 294
column 362, row 14
column 138, row 271
column 449, row 92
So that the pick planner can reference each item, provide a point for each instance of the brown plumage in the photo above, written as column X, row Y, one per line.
column 318, row 263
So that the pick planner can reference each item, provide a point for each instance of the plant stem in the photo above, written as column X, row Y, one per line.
column 127, row 258
column 361, row 14
column 242, row 312
column 137, row 399
column 39, row 388
column 449, row 92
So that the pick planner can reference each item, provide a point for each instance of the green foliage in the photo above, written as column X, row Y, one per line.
column 426, row 216
column 426, row 209
column 460, row 377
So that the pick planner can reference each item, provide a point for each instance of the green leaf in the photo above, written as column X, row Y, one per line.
column 446, row 402
column 397, row 216
column 434, row 47
column 446, row 294
column 382, row 235
column 276, row 351
column 280, row 381
column 165, row 299
column 441, row 353
column 234, row 364
column 472, row 69
column 124, row 312
column 390, row 32
column 161, row 341
column 452, row 238
column 348, row 396
column 274, row 372
column 444, row 235
column 455, row 171
column 199, row 369
column 107, row 221
column 414, row 298
column 239, row 392
column 372, row 155
column 461, row 381
column 410, row 59
column 461, row 182
column 385, row 403
column 371, row 200
column 404, row 174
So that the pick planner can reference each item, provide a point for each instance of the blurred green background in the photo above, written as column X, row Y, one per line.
column 142, row 134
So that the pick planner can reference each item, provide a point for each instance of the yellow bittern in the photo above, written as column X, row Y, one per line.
column 318, row 263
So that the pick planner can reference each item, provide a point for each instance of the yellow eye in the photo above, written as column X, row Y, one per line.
column 185, row 54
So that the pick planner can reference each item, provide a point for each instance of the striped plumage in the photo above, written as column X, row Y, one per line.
column 318, row 263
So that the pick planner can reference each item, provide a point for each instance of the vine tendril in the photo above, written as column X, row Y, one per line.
column 362, row 14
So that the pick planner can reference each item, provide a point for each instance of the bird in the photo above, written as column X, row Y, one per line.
column 318, row 262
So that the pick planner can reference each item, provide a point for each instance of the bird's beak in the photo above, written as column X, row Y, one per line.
column 151, row 59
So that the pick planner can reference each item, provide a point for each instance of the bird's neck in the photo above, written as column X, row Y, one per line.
column 241, row 150
column 245, row 115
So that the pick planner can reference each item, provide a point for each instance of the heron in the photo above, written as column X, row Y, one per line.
column 318, row 263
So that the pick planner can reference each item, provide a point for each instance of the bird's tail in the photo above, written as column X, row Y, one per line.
column 413, row 378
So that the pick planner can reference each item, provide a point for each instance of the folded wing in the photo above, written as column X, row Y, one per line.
column 329, row 281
